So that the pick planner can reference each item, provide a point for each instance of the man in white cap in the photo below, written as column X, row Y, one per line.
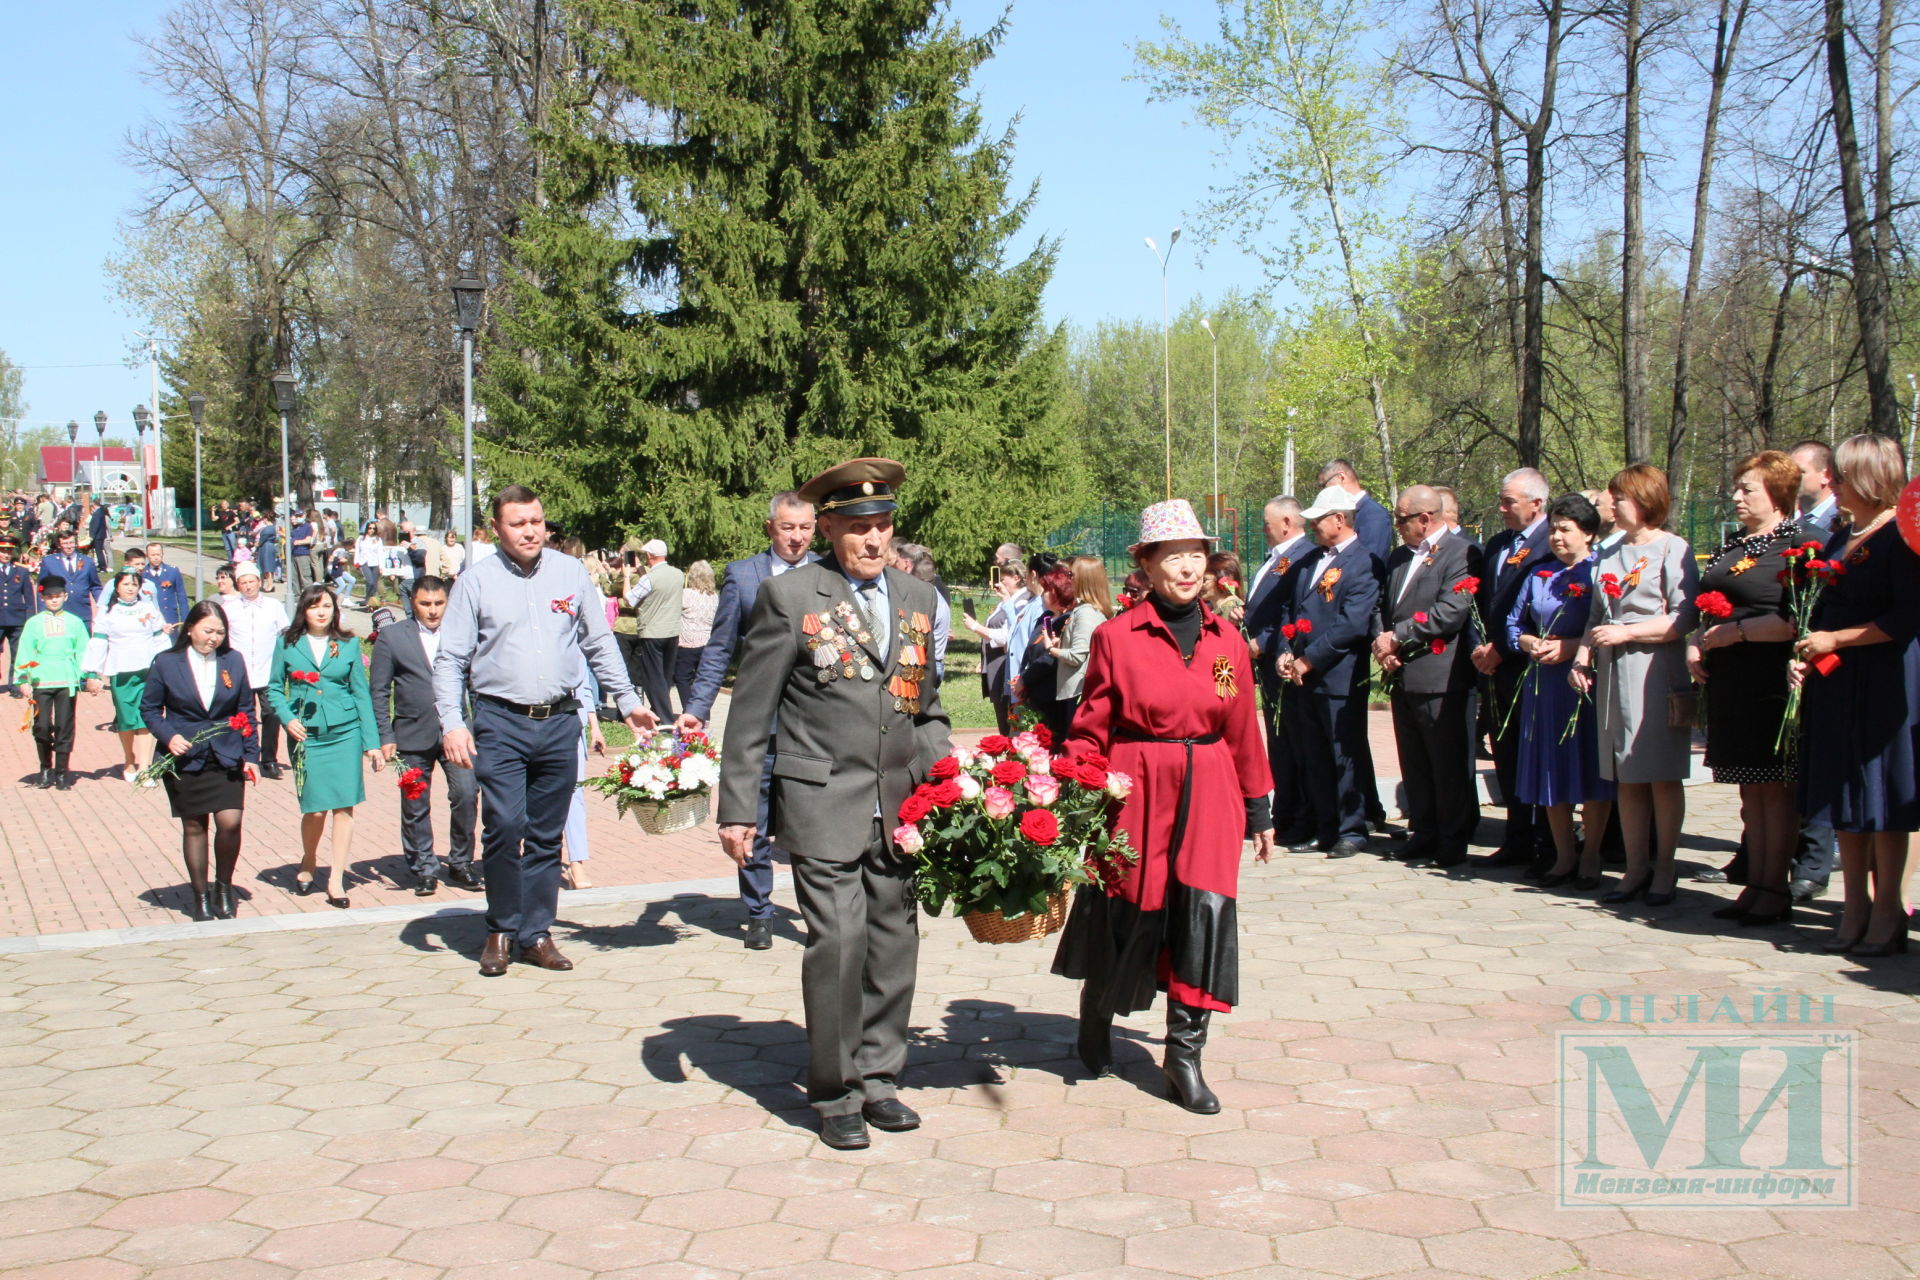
column 655, row 598
column 1330, row 617
column 254, row 622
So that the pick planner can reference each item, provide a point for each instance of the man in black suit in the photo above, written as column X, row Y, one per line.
column 101, row 539
column 401, row 674
column 1511, row 555
column 1268, row 593
column 1424, row 645
column 83, row 580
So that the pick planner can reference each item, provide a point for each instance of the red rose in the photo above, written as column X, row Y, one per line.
column 1306, row 626
column 944, row 767
column 915, row 807
column 1040, row 826
column 1043, row 735
column 944, row 795
column 1095, row 760
column 1009, row 772
column 1067, row 770
column 1438, row 646
column 995, row 744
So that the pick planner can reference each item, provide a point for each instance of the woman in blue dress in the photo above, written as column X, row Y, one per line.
column 1558, row 769
column 1857, row 757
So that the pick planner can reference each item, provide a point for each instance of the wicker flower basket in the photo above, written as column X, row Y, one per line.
column 991, row 926
column 664, row 817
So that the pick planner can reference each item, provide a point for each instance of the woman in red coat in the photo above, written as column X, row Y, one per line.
column 1168, row 701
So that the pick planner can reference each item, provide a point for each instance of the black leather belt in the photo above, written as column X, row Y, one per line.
column 1186, row 785
column 541, row 711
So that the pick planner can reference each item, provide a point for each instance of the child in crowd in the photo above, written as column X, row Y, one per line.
column 52, row 644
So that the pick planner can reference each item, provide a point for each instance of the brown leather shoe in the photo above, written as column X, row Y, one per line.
column 545, row 954
column 496, row 955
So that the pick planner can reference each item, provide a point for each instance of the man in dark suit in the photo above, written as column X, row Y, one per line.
column 840, row 651
column 100, row 538
column 1269, row 592
column 19, row 600
column 1335, row 593
column 1425, row 647
column 1370, row 520
column 169, row 588
column 790, row 525
column 1511, row 555
column 401, row 676
column 83, row 580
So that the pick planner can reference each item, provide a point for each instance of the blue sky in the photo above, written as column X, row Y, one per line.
column 1111, row 168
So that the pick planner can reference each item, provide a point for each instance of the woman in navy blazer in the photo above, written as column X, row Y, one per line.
column 197, row 688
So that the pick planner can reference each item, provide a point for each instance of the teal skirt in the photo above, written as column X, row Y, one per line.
column 127, row 688
column 333, row 768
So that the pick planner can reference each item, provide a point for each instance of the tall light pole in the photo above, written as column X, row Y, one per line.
column 469, row 298
column 1214, row 501
column 284, row 397
column 197, row 406
column 1166, row 347
column 159, row 447
column 142, row 419
column 73, row 459
column 100, row 432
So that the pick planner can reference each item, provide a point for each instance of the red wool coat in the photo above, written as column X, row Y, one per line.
column 1136, row 689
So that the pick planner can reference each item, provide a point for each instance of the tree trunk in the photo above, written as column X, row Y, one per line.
column 1633, row 261
column 1869, row 273
column 1725, row 47
column 1533, row 352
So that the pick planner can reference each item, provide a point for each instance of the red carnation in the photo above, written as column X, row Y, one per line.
column 944, row 795
column 1610, row 586
column 995, row 744
column 1577, row 589
column 1040, row 826
column 1466, row 587
column 240, row 724
column 1544, row 573
column 1306, row 626
column 915, row 807
column 1714, row 604
column 1438, row 646
column 1287, row 629
column 944, row 767
column 1009, row 772
column 1043, row 735
column 1420, row 616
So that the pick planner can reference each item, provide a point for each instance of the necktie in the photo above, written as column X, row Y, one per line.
column 869, row 594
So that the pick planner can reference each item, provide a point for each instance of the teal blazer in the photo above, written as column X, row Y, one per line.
column 340, row 698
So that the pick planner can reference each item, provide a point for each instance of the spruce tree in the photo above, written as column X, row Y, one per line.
column 790, row 250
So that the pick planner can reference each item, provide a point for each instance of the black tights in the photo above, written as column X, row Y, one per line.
column 226, row 846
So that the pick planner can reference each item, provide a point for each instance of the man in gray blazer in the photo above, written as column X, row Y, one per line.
column 790, row 525
column 840, row 652
column 401, row 674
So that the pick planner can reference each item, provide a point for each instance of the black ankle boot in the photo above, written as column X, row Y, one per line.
column 220, row 898
column 62, row 780
column 202, row 906
column 1186, row 1037
column 1095, row 1045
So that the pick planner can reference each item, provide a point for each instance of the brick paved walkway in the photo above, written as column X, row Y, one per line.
column 354, row 1103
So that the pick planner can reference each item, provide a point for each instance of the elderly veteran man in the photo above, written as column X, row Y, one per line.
column 517, row 628
column 1326, row 633
column 1424, row 645
column 1511, row 557
column 838, row 652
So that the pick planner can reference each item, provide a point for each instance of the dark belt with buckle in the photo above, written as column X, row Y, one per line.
column 540, row 711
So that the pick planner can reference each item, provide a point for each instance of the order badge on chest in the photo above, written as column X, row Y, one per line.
column 831, row 638
column 905, row 685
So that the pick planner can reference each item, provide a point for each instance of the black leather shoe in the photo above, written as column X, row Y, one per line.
column 270, row 770
column 1807, row 890
column 890, row 1114
column 1419, row 849
column 202, row 908
column 844, row 1133
column 42, row 780
column 426, row 887
column 462, row 878
column 759, row 935
column 1344, row 849
column 220, row 899
column 1506, row 856
column 62, row 780
column 1308, row 846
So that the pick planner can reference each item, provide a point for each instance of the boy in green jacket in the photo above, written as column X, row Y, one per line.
column 51, row 646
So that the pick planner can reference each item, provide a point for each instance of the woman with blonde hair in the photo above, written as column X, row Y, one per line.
column 1857, row 756
column 697, row 606
column 1634, row 660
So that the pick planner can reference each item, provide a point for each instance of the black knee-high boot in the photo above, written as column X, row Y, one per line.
column 1186, row 1037
column 1095, row 1045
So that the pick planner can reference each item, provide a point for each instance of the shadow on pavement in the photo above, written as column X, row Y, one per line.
column 762, row 1060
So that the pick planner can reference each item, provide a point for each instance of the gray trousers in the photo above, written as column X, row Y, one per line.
column 857, row 974
column 416, row 816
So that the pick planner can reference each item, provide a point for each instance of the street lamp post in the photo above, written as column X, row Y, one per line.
column 469, row 297
column 100, row 433
column 1166, row 348
column 197, row 406
column 284, row 396
column 73, row 459
column 1214, row 501
column 142, row 419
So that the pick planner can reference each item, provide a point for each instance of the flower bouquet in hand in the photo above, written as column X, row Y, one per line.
column 165, row 762
column 999, row 833
column 664, row 780
column 1806, row 578
column 413, row 783
column 1574, row 593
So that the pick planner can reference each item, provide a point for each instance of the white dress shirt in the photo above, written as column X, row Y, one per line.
column 206, row 670
column 430, row 641
column 252, row 628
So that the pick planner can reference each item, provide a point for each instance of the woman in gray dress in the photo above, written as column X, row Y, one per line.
column 1633, row 659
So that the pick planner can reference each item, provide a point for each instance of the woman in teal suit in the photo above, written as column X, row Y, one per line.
column 319, row 690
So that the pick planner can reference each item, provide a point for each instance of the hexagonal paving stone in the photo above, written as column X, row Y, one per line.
column 762, row 1244
column 1348, row 1251
column 1199, row 1251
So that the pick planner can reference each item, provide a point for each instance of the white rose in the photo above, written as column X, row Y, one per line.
column 1119, row 785
column 969, row 786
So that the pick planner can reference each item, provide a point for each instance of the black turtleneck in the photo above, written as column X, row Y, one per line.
column 1181, row 619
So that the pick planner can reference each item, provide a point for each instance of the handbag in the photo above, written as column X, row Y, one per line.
column 1683, row 709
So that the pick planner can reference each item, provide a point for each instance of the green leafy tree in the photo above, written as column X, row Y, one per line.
column 793, row 254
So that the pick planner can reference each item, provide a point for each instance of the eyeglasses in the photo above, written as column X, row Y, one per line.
column 1411, row 515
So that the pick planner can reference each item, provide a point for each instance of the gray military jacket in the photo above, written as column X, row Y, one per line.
column 847, row 743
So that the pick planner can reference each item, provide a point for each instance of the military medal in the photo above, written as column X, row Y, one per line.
column 1224, row 683
column 866, row 672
